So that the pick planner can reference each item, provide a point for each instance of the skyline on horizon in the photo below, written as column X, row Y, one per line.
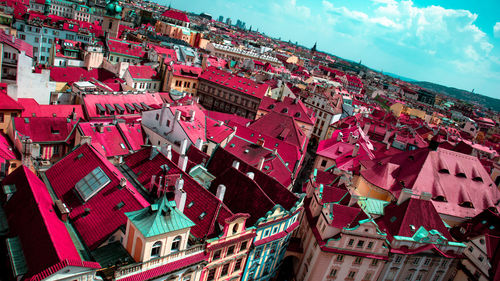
column 452, row 44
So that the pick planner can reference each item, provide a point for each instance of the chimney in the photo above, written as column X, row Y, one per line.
column 63, row 210
column 236, row 164
column 355, row 150
column 388, row 146
column 404, row 195
column 221, row 190
column 177, row 115
column 162, row 112
column 261, row 163
column 349, row 140
column 152, row 183
column 183, row 147
column 366, row 129
column 387, row 136
column 100, row 128
column 180, row 199
column 251, row 175
column 425, row 196
column 260, row 142
column 28, row 146
column 340, row 136
column 183, row 161
column 199, row 144
column 167, row 151
column 123, row 182
column 191, row 115
column 179, row 184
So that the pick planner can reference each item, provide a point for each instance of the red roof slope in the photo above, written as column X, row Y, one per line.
column 99, row 217
column 8, row 103
column 142, row 72
column 45, row 129
column 31, row 216
column 126, row 48
column 74, row 74
column 109, row 139
column 33, row 109
column 282, row 127
column 90, row 102
column 292, row 107
column 236, row 83
column 176, row 15
column 16, row 43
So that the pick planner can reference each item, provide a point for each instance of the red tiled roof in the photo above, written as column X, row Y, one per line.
column 345, row 216
column 227, row 117
column 90, row 102
column 65, row 263
column 127, row 48
column 109, row 139
column 236, row 83
column 6, row 151
column 8, row 103
column 405, row 219
column 99, row 217
column 176, row 15
column 186, row 71
column 440, row 173
column 16, row 43
column 45, row 129
column 32, row 217
column 143, row 72
column 75, row 74
column 132, row 134
column 292, row 107
column 33, row 109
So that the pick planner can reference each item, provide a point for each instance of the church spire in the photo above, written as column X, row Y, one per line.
column 313, row 49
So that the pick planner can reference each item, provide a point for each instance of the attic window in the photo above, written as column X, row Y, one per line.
column 477, row 179
column 130, row 108
column 120, row 205
column 109, row 109
column 119, row 108
column 393, row 219
column 461, row 175
column 100, row 109
column 466, row 204
column 271, row 106
column 439, row 198
column 246, row 151
column 297, row 114
column 122, row 146
column 444, row 171
column 108, row 129
column 92, row 183
column 202, row 215
column 79, row 156
column 190, row 204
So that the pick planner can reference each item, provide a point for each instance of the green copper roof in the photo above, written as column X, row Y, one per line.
column 202, row 176
column 372, row 206
column 159, row 218
column 111, row 254
column 16, row 254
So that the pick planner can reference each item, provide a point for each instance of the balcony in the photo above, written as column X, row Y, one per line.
column 140, row 267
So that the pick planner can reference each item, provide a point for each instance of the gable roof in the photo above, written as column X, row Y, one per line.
column 282, row 127
column 31, row 216
column 175, row 14
column 45, row 129
column 100, row 215
column 8, row 103
column 143, row 72
column 292, row 107
column 16, row 43
column 109, row 139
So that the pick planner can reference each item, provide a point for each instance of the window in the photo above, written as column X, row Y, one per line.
column 211, row 274
column 155, row 250
column 157, row 116
column 225, row 269
column 243, row 246
column 427, row 261
column 370, row 245
column 340, row 257
column 419, row 277
column 351, row 274
column 444, row 263
column 230, row 250
column 416, row 261
column 480, row 258
column 1, row 117
column 360, row 244
column 323, row 163
column 409, row 276
column 257, row 253
column 168, row 123
column 333, row 272
column 217, row 255
column 237, row 265
column 358, row 260
column 92, row 183
column 374, row 263
column 37, row 39
column 368, row 276
column 176, row 243
column 351, row 242
column 471, row 249
column 397, row 259
column 235, row 228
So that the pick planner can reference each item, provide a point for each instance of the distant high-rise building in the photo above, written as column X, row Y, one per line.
column 228, row 21
column 240, row 24
column 221, row 18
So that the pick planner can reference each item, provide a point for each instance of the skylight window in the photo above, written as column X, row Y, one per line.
column 202, row 215
column 190, row 204
column 122, row 146
column 92, row 183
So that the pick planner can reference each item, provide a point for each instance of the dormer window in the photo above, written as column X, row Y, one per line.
column 155, row 250
column 176, row 244
column 235, row 228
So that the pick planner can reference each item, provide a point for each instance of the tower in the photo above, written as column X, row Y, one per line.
column 112, row 18
column 313, row 49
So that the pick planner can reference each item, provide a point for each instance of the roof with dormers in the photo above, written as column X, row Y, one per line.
column 292, row 107
column 234, row 82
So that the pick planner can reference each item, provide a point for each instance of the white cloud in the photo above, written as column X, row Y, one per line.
column 496, row 29
column 290, row 7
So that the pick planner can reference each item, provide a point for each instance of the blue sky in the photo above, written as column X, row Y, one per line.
column 454, row 43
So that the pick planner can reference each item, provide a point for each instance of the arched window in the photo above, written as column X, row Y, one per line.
column 235, row 228
column 155, row 250
column 176, row 244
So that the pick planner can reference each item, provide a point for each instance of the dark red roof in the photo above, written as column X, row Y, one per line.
column 75, row 74
column 176, row 15
column 45, row 129
column 292, row 107
column 234, row 82
column 32, row 217
column 33, row 109
column 110, row 139
column 99, row 217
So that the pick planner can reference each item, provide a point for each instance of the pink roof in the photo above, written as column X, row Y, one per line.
column 132, row 134
column 90, row 104
column 99, row 216
column 6, row 151
column 176, row 15
column 292, row 107
column 227, row 117
column 18, row 44
column 186, row 71
column 216, row 62
column 109, row 139
column 282, row 127
column 45, row 129
column 241, row 84
column 127, row 48
column 167, row 53
column 8, row 103
column 75, row 74
column 31, row 211
column 458, row 178
column 143, row 72
column 33, row 109
column 405, row 219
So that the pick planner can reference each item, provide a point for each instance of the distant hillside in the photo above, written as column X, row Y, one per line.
column 399, row 77
column 464, row 95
